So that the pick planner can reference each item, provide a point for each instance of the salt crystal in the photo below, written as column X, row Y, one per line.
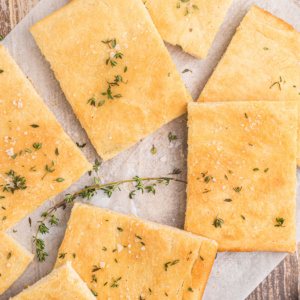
column 10, row 151
column 120, row 247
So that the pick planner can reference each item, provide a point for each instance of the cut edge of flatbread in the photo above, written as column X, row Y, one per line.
column 71, row 276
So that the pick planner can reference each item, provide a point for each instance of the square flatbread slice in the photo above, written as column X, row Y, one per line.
column 191, row 24
column 63, row 283
column 242, row 174
column 131, row 258
column 101, row 50
column 31, row 140
column 14, row 259
column 261, row 63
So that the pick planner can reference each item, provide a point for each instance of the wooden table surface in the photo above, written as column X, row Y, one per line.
column 282, row 283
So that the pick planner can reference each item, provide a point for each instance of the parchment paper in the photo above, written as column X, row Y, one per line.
column 234, row 275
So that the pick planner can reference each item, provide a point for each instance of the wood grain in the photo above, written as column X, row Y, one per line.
column 283, row 282
column 5, row 26
column 12, row 12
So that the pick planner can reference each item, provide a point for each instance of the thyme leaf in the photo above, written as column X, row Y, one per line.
column 186, row 71
column 175, row 172
column 18, row 183
column 237, row 189
column 153, row 150
column 168, row 264
column 81, row 146
column 62, row 255
column 49, row 169
column 116, row 282
column 37, row 146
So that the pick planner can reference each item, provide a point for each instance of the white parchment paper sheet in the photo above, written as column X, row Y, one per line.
column 234, row 275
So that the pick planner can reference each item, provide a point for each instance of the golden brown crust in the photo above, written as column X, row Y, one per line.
column 192, row 25
column 124, row 246
column 257, row 14
column 244, row 152
column 261, row 63
column 14, row 259
column 63, row 283
column 71, row 39
column 22, row 107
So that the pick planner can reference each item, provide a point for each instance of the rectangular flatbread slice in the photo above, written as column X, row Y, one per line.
column 14, row 259
column 38, row 160
column 260, row 64
column 63, row 283
column 129, row 258
column 114, row 70
column 191, row 24
column 242, row 174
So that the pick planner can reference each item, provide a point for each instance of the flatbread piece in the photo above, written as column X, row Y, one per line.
column 63, row 283
column 114, row 70
column 242, row 174
column 129, row 257
column 38, row 159
column 191, row 24
column 14, row 259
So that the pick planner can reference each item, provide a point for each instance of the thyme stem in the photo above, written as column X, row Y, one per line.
column 88, row 192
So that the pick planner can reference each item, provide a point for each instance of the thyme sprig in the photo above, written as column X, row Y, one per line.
column 118, row 79
column 18, row 182
column 95, row 167
column 88, row 192
column 277, row 83
column 280, row 222
column 108, row 93
column 116, row 56
column 218, row 222
column 172, row 137
column 111, row 60
column 92, row 101
column 112, row 44
column 116, row 282
column 49, row 169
